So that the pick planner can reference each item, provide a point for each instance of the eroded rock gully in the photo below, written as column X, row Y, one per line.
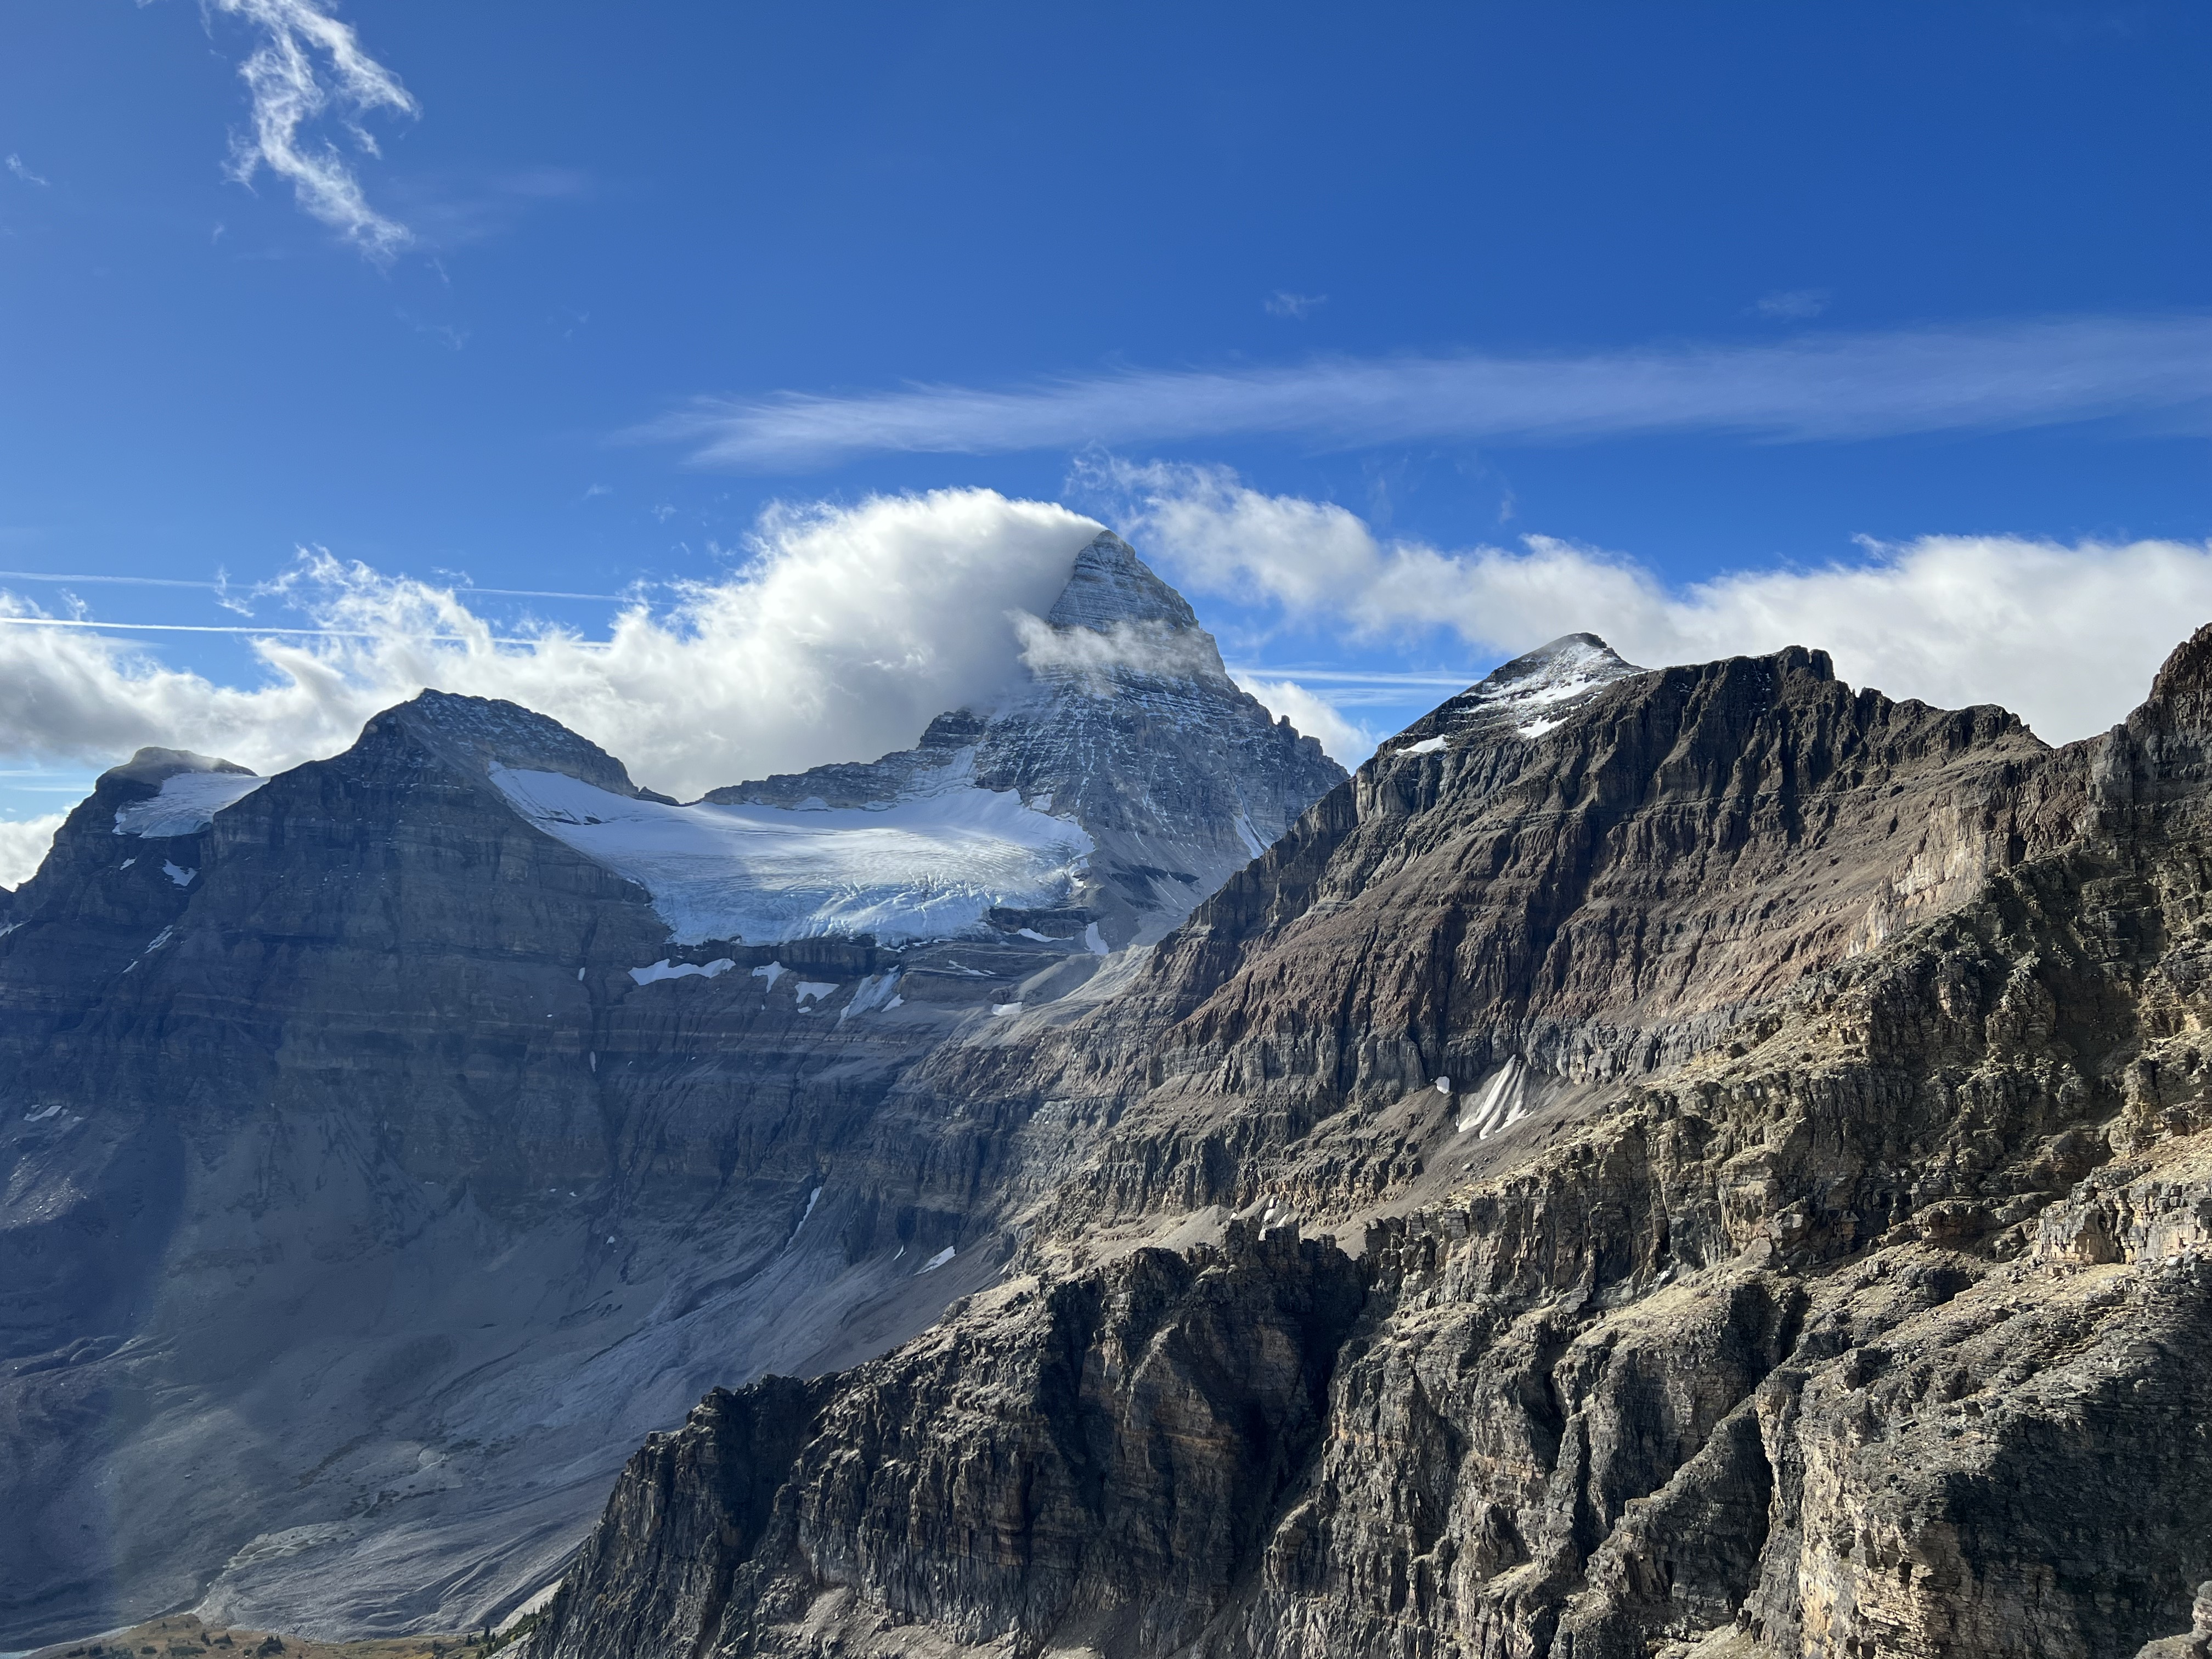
column 1844, row 1290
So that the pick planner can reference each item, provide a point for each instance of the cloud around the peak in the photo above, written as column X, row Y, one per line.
column 1093, row 656
column 848, row 628
column 2066, row 635
column 846, row 631
column 308, row 65
column 23, row 844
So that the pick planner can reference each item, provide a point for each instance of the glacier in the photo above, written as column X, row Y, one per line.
column 927, row 866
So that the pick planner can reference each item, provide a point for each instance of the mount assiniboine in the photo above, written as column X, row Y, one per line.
column 390, row 1145
column 1697, row 1161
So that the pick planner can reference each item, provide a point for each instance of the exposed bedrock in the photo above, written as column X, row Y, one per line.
column 1605, row 900
column 1110, row 1452
column 1844, row 1290
column 357, row 1195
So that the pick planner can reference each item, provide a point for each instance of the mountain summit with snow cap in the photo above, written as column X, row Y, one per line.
column 1120, row 779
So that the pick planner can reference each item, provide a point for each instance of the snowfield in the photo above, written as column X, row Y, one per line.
column 187, row 803
column 925, row 867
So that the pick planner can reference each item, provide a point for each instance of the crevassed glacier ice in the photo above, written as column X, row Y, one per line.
column 187, row 803
column 928, row 867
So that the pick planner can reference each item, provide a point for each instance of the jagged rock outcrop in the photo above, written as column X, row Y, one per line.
column 1106, row 1452
column 1835, row 1283
column 2197, row 1642
column 379, row 1163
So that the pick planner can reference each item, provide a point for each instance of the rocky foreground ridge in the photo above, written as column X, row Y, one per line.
column 1697, row 1161
column 386, row 1146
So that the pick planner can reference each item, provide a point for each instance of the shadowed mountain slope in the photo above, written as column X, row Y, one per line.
column 382, row 1155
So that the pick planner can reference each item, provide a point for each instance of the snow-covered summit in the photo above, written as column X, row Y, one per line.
column 1535, row 690
column 1121, row 779
column 1116, row 630
column 1523, row 698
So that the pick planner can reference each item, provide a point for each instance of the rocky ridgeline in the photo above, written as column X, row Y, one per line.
column 1774, row 1122
column 376, row 1170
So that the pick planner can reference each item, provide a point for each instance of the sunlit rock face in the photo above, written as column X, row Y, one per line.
column 390, row 1145
column 1697, row 1162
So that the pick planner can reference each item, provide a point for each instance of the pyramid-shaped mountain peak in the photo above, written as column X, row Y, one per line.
column 1111, row 585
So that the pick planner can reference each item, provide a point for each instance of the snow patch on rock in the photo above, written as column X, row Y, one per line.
column 877, row 991
column 1503, row 1104
column 663, row 969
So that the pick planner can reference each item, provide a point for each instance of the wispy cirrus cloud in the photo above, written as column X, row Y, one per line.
column 453, row 209
column 1840, row 386
column 308, row 65
column 16, row 166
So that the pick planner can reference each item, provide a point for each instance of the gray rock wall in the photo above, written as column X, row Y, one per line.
column 1846, row 1292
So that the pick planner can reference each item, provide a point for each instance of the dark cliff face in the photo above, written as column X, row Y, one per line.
column 376, row 1170
column 1838, row 1281
column 1597, row 900
column 1110, row 1452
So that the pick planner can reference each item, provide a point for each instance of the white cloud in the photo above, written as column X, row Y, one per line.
column 846, row 631
column 290, row 93
column 16, row 167
column 1825, row 386
column 1157, row 648
column 1347, row 742
column 23, row 843
column 2067, row 635
column 1284, row 303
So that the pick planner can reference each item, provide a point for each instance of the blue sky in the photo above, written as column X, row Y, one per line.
column 1854, row 309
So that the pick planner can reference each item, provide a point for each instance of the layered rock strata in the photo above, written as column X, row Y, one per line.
column 377, row 1167
column 1837, row 1282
